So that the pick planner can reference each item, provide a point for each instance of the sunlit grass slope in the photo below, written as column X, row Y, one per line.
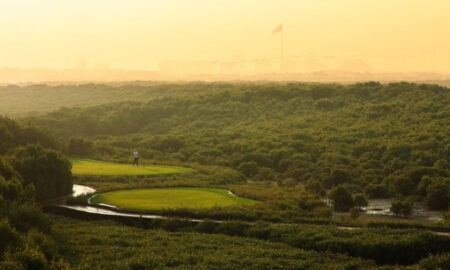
column 165, row 198
column 92, row 167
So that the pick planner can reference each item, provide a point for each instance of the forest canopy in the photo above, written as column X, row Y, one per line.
column 28, row 173
column 377, row 139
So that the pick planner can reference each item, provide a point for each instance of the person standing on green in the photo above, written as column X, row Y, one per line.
column 136, row 157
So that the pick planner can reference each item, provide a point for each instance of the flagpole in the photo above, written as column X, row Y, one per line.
column 277, row 30
column 282, row 51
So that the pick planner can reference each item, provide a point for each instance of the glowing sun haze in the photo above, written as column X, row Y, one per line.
column 391, row 35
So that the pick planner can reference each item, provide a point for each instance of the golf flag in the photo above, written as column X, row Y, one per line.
column 277, row 29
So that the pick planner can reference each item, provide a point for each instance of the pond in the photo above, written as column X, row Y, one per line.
column 381, row 207
column 78, row 190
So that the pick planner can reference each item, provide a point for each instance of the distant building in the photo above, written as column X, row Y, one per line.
column 263, row 66
column 188, row 67
column 228, row 68
column 289, row 66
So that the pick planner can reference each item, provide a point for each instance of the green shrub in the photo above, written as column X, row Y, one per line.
column 206, row 227
column 401, row 208
column 174, row 224
column 9, row 237
column 337, row 177
column 248, row 168
column 31, row 258
column 42, row 242
column 342, row 199
column 79, row 200
column 315, row 186
column 232, row 228
column 438, row 195
column 29, row 216
column 377, row 191
column 435, row 262
column 354, row 212
column 47, row 170
column 360, row 200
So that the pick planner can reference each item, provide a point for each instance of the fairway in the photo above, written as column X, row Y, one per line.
column 170, row 198
column 92, row 167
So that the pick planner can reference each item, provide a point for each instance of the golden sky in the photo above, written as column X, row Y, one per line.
column 390, row 35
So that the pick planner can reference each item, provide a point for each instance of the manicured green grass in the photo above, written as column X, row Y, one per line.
column 170, row 198
column 92, row 167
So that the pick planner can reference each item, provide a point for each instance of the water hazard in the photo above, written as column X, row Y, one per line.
column 78, row 190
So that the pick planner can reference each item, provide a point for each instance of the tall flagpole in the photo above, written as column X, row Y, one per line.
column 282, row 50
column 277, row 30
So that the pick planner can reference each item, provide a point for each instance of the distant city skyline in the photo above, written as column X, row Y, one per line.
column 382, row 35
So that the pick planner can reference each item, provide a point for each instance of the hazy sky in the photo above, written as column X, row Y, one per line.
column 136, row 34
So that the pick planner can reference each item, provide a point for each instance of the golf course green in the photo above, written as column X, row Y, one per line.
column 170, row 198
column 93, row 167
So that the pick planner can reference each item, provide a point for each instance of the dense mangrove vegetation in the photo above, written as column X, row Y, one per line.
column 29, row 173
column 312, row 156
column 379, row 140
